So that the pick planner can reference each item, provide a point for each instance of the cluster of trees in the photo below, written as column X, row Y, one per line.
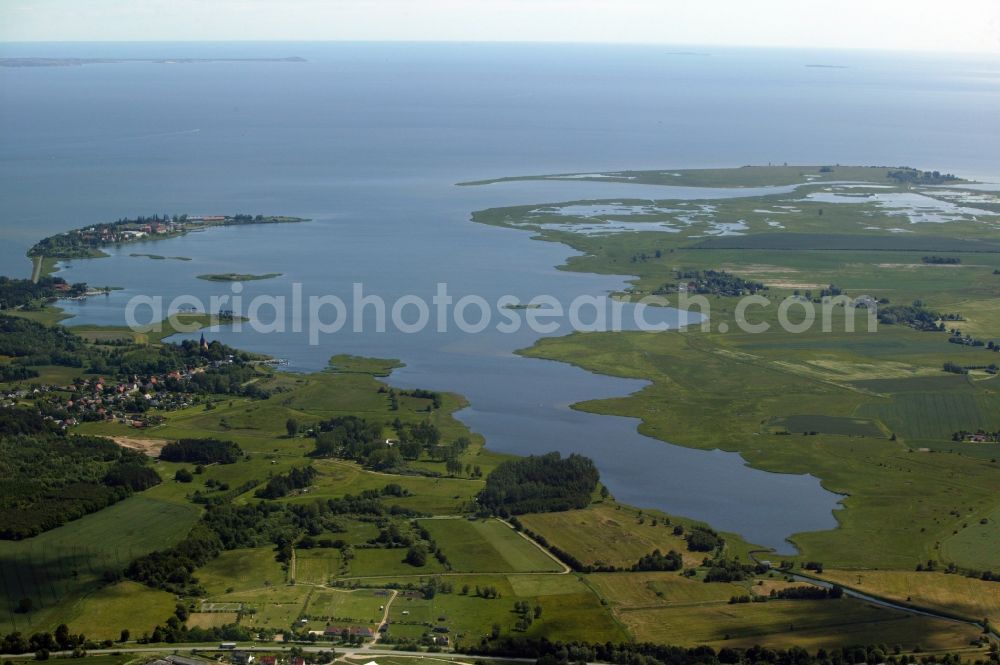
column 48, row 479
column 547, row 652
column 283, row 484
column 808, row 593
column 16, row 372
column 538, row 484
column 659, row 561
column 353, row 438
column 361, row 440
column 26, row 294
column 942, row 260
column 906, row 174
column 642, row 257
column 176, row 631
column 416, row 438
column 712, row 282
column 915, row 315
column 703, row 539
column 979, row 434
column 730, row 570
column 420, row 393
column 31, row 343
column 526, row 614
column 967, row 340
column 202, row 451
column 42, row 643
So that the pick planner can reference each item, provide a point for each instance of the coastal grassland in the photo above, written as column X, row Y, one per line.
column 877, row 410
column 487, row 546
column 810, row 624
column 58, row 569
column 900, row 502
column 613, row 534
column 955, row 594
column 748, row 176
column 975, row 544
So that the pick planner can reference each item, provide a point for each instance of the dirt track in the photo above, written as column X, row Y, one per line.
column 151, row 447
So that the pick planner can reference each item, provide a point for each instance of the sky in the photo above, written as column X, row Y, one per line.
column 910, row 25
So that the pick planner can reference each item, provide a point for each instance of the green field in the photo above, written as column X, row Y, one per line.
column 955, row 594
column 61, row 567
column 103, row 614
column 380, row 562
column 829, row 425
column 810, row 624
column 358, row 607
column 316, row 566
column 242, row 570
column 612, row 534
column 570, row 610
column 487, row 546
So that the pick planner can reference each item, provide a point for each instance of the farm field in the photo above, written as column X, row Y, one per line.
column 316, row 566
column 570, row 610
column 368, row 562
column 270, row 608
column 487, row 546
column 242, row 570
column 632, row 590
column 956, row 594
column 59, row 568
column 611, row 534
column 809, row 624
column 357, row 607
column 126, row 605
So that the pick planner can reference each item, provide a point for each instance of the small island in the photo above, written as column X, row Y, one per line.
column 238, row 277
column 158, row 257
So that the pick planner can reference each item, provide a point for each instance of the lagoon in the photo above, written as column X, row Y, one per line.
column 368, row 140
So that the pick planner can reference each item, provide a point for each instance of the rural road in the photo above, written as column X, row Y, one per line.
column 385, row 617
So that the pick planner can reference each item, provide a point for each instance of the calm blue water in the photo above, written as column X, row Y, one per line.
column 368, row 140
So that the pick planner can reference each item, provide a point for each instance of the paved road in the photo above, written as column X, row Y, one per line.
column 358, row 652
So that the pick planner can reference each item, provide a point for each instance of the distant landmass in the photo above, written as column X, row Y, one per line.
column 77, row 62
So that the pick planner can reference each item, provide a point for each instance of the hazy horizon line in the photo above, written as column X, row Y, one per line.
column 682, row 47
